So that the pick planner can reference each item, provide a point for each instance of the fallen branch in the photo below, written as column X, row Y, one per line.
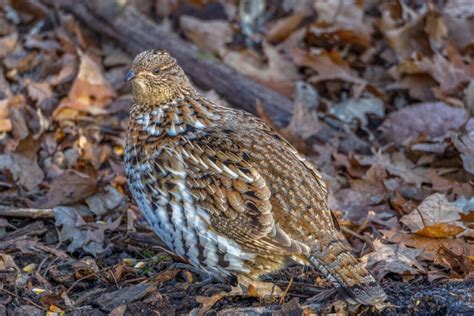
column 26, row 212
column 135, row 33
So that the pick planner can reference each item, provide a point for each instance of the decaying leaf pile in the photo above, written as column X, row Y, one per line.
column 392, row 80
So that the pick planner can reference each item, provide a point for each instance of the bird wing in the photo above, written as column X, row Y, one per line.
column 229, row 192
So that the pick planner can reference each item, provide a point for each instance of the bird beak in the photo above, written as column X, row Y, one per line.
column 130, row 75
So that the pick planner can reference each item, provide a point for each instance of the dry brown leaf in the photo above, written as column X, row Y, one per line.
column 164, row 8
column 68, row 70
column 255, row 288
column 409, row 38
column 90, row 91
column 277, row 73
column 341, row 22
column 449, row 77
column 465, row 145
column 209, row 301
column 102, row 202
column 397, row 166
column 7, row 44
column 433, row 119
column 208, row 35
column 434, row 249
column 328, row 65
column 22, row 164
column 5, row 123
column 419, row 86
column 435, row 217
column 395, row 258
column 285, row 26
column 363, row 195
column 39, row 91
column 70, row 187
column 167, row 275
column 305, row 122
column 88, row 236
column 458, row 16
column 356, row 111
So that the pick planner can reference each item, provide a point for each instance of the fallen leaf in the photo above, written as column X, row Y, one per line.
column 363, row 195
column 432, row 246
column 17, row 117
column 419, row 86
column 465, row 145
column 36, row 41
column 22, row 164
column 118, row 311
column 208, row 301
column 458, row 18
column 70, row 187
column 86, row 267
column 277, row 72
column 400, row 167
column 68, row 70
column 165, row 276
column 285, row 26
column 395, row 258
column 341, row 23
column 328, row 65
column 357, row 110
column 450, row 78
column 408, row 38
column 89, row 237
column 435, row 217
column 7, row 44
column 208, row 35
column 434, row 119
column 255, row 288
column 5, row 123
column 39, row 91
column 102, row 202
column 90, row 91
column 305, row 122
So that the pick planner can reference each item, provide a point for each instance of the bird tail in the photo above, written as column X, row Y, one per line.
column 339, row 265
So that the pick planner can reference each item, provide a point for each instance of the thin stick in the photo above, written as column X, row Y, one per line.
column 26, row 212
column 352, row 233
column 24, row 298
column 286, row 291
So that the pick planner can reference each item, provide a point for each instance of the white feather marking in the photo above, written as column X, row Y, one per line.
column 181, row 174
column 213, row 165
column 178, row 221
column 172, row 130
column 229, row 172
column 198, row 124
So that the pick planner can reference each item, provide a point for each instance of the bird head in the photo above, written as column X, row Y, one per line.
column 157, row 78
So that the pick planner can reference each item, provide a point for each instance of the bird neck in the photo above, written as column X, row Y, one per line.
column 176, row 117
column 151, row 98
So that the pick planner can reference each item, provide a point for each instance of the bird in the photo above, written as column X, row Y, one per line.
column 224, row 190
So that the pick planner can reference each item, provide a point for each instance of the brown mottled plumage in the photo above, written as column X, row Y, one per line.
column 224, row 190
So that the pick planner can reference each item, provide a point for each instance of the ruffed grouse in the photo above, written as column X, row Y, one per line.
column 224, row 190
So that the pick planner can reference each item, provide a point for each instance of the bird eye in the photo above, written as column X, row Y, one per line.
column 156, row 70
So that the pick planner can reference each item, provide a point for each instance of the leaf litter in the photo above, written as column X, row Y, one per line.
column 383, row 101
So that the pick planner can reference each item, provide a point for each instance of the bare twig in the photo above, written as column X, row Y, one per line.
column 282, row 299
column 24, row 298
column 26, row 212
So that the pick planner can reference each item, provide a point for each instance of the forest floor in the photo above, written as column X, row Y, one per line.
column 382, row 101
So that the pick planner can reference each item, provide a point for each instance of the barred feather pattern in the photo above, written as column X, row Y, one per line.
column 226, row 192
